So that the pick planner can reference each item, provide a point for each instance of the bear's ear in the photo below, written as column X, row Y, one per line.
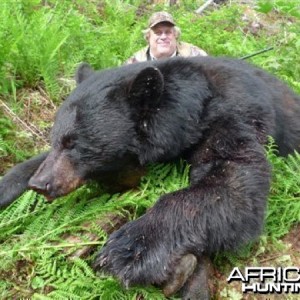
column 147, row 87
column 83, row 72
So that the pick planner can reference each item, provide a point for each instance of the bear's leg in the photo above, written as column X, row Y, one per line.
column 222, row 209
column 182, row 272
column 190, row 277
column 196, row 287
column 15, row 182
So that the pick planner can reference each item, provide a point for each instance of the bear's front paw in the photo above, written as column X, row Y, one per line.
column 137, row 253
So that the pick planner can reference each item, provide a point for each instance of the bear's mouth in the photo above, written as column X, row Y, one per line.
column 55, row 188
column 49, row 197
column 51, row 192
column 57, row 176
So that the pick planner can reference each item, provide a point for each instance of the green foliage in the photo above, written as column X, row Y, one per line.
column 284, row 201
column 8, row 137
column 291, row 8
column 45, row 42
column 42, row 41
column 6, row 130
column 34, row 233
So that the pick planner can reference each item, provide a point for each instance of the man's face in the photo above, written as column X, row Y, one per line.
column 162, row 40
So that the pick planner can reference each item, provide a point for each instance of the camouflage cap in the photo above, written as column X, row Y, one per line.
column 159, row 17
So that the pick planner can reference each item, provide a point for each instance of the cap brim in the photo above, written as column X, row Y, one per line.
column 159, row 22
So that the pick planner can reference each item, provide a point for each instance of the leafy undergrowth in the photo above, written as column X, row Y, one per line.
column 39, row 239
column 44, row 42
column 37, row 250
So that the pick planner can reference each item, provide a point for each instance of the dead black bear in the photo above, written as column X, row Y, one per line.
column 215, row 113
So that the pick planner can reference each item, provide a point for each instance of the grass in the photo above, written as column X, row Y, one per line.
column 41, row 45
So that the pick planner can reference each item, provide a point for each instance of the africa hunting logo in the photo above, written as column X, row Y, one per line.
column 267, row 280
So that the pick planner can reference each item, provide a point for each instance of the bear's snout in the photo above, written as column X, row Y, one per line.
column 55, row 177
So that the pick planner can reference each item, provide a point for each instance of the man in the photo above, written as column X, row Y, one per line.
column 162, row 36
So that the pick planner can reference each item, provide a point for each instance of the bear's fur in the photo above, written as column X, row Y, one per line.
column 215, row 113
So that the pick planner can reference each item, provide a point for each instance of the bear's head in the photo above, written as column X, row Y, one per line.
column 98, row 128
column 122, row 118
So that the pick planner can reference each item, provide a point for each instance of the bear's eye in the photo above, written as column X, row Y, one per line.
column 68, row 142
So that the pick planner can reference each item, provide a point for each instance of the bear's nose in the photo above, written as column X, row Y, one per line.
column 40, row 186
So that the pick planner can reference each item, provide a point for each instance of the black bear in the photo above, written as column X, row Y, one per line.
column 216, row 113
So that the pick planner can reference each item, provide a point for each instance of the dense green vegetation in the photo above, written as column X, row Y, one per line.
column 41, row 43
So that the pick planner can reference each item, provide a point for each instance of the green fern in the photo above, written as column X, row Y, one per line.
column 284, row 200
column 45, row 42
column 41, row 228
